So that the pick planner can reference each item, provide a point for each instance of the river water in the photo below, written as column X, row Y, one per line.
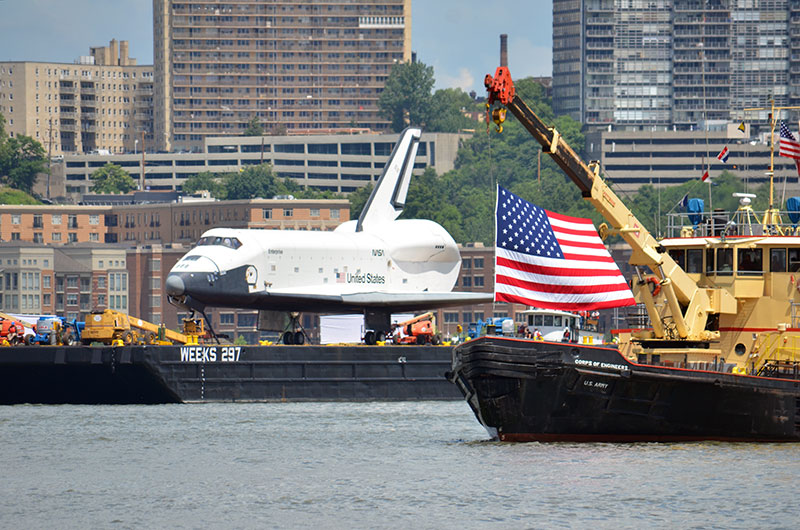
column 365, row 465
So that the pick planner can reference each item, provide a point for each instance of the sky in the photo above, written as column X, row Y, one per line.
column 459, row 38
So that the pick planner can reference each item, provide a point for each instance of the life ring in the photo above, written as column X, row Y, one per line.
column 652, row 280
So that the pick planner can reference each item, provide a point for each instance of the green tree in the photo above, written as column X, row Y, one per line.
column 254, row 128
column 447, row 111
column 111, row 178
column 359, row 198
column 252, row 182
column 406, row 97
column 205, row 181
column 21, row 159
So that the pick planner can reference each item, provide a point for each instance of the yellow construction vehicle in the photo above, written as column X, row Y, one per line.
column 108, row 326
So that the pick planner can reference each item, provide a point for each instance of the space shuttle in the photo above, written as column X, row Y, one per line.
column 376, row 265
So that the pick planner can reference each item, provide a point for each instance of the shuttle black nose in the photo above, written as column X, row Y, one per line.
column 175, row 285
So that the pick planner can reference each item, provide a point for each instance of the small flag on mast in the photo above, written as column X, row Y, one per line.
column 723, row 155
column 789, row 147
column 741, row 127
column 705, row 178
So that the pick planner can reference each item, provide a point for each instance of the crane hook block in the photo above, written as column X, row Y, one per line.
column 498, row 117
column 500, row 87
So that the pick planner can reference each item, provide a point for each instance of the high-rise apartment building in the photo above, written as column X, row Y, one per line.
column 674, row 64
column 305, row 65
column 104, row 101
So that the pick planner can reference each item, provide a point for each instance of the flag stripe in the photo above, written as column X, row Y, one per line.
column 553, row 261
column 566, row 289
column 544, row 304
column 545, row 276
column 560, row 267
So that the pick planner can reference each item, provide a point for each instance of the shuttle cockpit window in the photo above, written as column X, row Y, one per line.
column 230, row 242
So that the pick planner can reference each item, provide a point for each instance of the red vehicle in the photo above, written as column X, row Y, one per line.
column 419, row 330
column 12, row 330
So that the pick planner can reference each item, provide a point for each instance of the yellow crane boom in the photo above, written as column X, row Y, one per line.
column 689, row 304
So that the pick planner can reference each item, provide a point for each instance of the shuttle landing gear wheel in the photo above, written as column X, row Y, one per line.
column 299, row 338
column 288, row 338
column 369, row 338
column 380, row 336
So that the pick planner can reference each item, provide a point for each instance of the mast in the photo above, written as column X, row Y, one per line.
column 772, row 217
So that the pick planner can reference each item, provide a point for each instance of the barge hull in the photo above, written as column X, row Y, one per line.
column 175, row 374
column 540, row 391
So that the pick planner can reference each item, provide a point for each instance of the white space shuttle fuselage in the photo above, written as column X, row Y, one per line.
column 376, row 264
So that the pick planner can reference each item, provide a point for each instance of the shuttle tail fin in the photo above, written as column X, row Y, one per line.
column 389, row 196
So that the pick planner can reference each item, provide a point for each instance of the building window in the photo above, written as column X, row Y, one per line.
column 155, row 300
column 248, row 320
column 46, row 281
column 94, row 219
column 56, row 236
column 16, row 218
column 466, row 263
column 46, row 299
column 72, row 282
column 478, row 262
column 73, row 237
column 101, row 300
column 267, row 212
column 288, row 212
column 94, row 237
column 335, row 214
column 314, row 212
column 478, row 281
column 37, row 221
column 466, row 281
column 38, row 237
column 56, row 219
column 101, row 282
column 155, row 265
column 226, row 318
column 450, row 318
column 15, row 236
column 72, row 298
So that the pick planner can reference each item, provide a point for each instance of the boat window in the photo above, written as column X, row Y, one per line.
column 548, row 320
column 724, row 261
column 230, row 242
column 191, row 258
column 679, row 255
column 694, row 260
column 777, row 260
column 710, row 261
column 794, row 259
column 557, row 320
column 537, row 320
column 750, row 261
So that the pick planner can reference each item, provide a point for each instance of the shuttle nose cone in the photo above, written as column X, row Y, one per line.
column 175, row 285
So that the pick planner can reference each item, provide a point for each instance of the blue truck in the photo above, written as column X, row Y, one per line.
column 56, row 330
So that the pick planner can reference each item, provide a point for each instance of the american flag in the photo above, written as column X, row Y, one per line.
column 552, row 261
column 789, row 147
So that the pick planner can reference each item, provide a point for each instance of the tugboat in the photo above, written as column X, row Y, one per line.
column 719, row 359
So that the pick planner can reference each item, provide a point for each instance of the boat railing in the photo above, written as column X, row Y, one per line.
column 720, row 223
column 774, row 350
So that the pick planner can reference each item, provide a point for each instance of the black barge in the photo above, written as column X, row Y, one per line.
column 217, row 373
column 522, row 390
